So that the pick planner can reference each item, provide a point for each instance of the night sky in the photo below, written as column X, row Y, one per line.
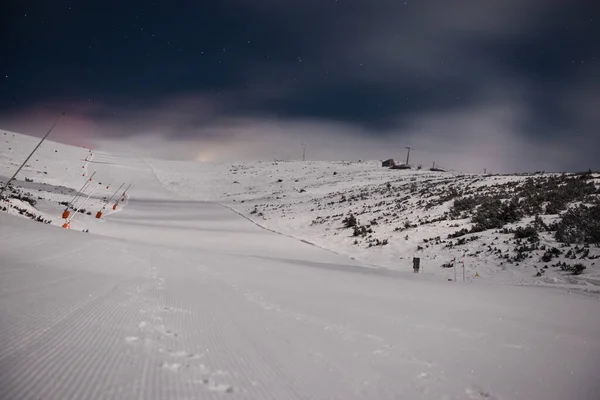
column 506, row 85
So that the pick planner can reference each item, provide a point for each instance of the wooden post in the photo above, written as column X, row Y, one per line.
column 416, row 264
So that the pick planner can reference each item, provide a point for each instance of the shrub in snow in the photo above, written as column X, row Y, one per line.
column 549, row 254
column 452, row 193
column 349, row 221
column 576, row 269
column 461, row 205
column 494, row 214
column 554, row 191
column 539, row 224
column 579, row 225
column 457, row 234
column 529, row 232
column 361, row 231
column 25, row 199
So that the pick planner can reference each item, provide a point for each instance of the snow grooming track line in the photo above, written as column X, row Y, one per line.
column 183, row 358
column 232, row 349
column 75, row 337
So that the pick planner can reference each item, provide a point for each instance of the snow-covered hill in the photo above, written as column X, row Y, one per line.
column 401, row 214
column 461, row 226
column 51, row 181
column 172, row 297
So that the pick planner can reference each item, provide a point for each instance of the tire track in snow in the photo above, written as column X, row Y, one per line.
column 268, row 366
column 221, row 360
column 188, row 361
column 381, row 352
column 16, row 241
column 150, row 338
column 45, row 285
column 61, row 346
column 61, row 350
column 87, row 338
column 23, row 335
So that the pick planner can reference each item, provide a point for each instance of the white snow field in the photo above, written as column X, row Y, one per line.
column 174, row 298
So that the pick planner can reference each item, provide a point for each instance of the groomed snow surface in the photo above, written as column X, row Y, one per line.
column 170, row 297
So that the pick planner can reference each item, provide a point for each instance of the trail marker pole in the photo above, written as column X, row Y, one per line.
column 28, row 157
column 463, row 265
column 454, row 265
column 416, row 264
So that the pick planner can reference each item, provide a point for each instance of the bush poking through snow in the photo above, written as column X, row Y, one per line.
column 494, row 214
column 549, row 254
column 580, row 225
column 528, row 232
column 350, row 221
column 461, row 205
column 457, row 234
column 576, row 269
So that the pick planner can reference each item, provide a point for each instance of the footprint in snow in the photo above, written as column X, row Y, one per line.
column 173, row 367
column 424, row 375
column 476, row 393
column 136, row 340
column 217, row 387
column 167, row 332
column 181, row 354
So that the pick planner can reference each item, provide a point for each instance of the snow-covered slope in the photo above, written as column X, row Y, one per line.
column 404, row 213
column 171, row 297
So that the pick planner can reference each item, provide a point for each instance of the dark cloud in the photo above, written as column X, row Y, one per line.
column 382, row 71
